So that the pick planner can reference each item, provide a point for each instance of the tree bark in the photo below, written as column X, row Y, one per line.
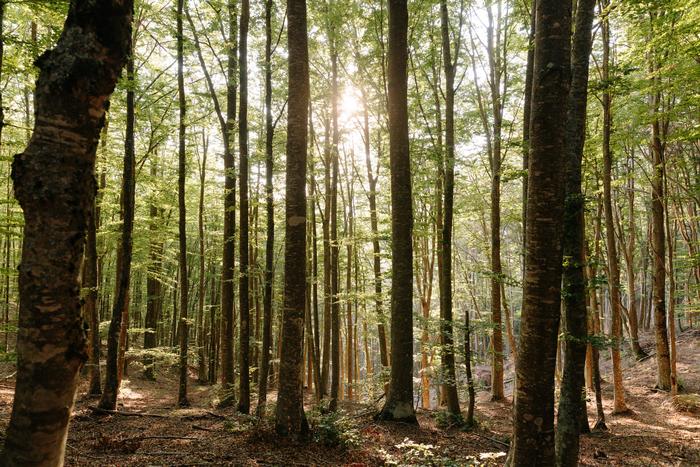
column 116, row 336
column 154, row 289
column 227, row 275
column 533, row 432
column 290, row 417
column 572, row 401
column 243, row 293
column 54, row 182
column 270, row 209
column 613, row 260
column 201, row 354
column 183, row 327
column 446, row 325
column 399, row 400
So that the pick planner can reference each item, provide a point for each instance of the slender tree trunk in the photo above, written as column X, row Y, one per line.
column 183, row 327
column 572, row 401
column 670, row 237
column 243, row 293
column 446, row 325
column 334, row 246
column 290, row 417
column 55, row 185
column 613, row 260
column 117, row 334
column 227, row 275
column 527, row 109
column 376, row 251
column 201, row 354
column 469, row 419
column 154, row 291
column 270, row 209
column 399, row 400
column 533, row 432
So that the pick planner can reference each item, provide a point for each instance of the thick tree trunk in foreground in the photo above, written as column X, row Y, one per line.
column 446, row 326
column 243, row 295
column 399, row 400
column 533, row 430
column 290, row 417
column 571, row 400
column 116, row 337
column 54, row 181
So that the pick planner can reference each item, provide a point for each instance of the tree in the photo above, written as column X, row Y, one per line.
column 243, row 293
column 227, row 275
column 290, row 417
column 55, row 185
column 446, row 325
column 613, row 260
column 116, row 336
column 399, row 400
column 183, row 328
column 571, row 401
column 270, row 209
column 533, row 430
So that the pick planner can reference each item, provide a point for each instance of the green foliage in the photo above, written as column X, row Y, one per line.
column 334, row 429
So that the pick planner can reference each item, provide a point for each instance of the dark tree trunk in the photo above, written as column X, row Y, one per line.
column 201, row 354
column 527, row 109
column 290, row 417
column 270, row 206
column 446, row 327
column 55, row 186
column 117, row 334
column 243, row 295
column 571, row 400
column 227, row 275
column 533, row 431
column 469, row 420
column 399, row 400
column 154, row 290
column 334, row 246
column 183, row 327
column 90, row 305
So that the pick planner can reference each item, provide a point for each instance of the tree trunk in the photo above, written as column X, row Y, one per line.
column 55, row 186
column 115, row 341
column 446, row 325
column 571, row 400
column 243, row 293
column 533, row 432
column 183, row 327
column 613, row 260
column 399, row 400
column 227, row 274
column 290, row 417
column 469, row 420
column 201, row 355
column 270, row 207
column 154, row 290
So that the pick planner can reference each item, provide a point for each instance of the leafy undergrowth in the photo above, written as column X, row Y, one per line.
column 659, row 430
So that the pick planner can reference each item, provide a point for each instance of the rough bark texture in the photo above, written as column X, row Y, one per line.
column 290, row 417
column 533, row 431
column 55, row 185
column 270, row 207
column 116, row 337
column 243, row 296
column 572, row 398
column 227, row 275
column 399, row 400
column 448, row 356
column 183, row 327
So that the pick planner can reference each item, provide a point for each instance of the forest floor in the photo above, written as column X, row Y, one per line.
column 152, row 431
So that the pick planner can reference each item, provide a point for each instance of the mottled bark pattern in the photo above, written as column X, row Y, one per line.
column 55, row 185
column 533, row 431
column 399, row 400
column 571, row 400
column 290, row 417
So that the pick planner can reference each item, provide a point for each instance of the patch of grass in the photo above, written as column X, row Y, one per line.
column 687, row 403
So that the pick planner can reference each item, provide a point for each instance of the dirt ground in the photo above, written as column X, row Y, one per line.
column 153, row 432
